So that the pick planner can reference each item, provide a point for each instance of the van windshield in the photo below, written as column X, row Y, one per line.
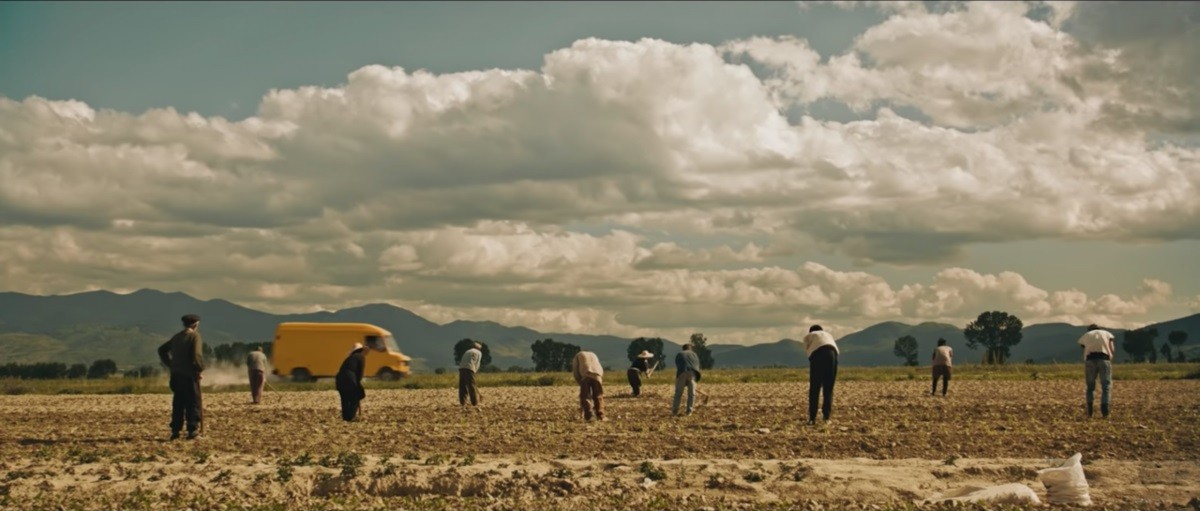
column 390, row 342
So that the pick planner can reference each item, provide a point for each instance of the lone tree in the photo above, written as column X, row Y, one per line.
column 653, row 345
column 549, row 355
column 1139, row 344
column 906, row 348
column 700, row 346
column 462, row 346
column 997, row 332
column 1177, row 338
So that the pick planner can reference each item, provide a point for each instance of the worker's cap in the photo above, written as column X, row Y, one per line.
column 357, row 346
column 190, row 319
column 645, row 354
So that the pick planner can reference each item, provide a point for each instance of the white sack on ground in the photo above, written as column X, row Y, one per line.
column 1066, row 484
column 1014, row 493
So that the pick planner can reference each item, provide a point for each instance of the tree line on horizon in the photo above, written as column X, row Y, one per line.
column 98, row 370
column 997, row 332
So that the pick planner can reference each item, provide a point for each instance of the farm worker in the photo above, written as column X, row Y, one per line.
column 822, row 370
column 349, row 382
column 256, row 369
column 641, row 365
column 183, row 354
column 589, row 374
column 1098, row 352
column 687, row 373
column 467, row 367
column 943, row 358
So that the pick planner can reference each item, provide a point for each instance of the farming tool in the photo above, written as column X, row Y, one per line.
column 200, row 404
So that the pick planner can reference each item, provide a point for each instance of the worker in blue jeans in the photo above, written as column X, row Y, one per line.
column 687, row 373
column 1098, row 351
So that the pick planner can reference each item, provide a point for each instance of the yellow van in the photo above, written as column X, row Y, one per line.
column 307, row 351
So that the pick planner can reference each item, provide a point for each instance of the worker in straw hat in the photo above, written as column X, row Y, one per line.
column 349, row 382
column 640, row 366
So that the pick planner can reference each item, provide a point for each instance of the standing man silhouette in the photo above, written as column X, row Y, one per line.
column 183, row 354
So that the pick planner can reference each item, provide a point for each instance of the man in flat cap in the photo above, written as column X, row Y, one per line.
column 183, row 355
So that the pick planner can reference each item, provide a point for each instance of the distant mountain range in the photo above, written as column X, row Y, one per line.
column 127, row 328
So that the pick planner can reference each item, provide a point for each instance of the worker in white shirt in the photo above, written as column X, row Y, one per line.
column 822, row 371
column 943, row 359
column 467, row 367
column 1098, row 353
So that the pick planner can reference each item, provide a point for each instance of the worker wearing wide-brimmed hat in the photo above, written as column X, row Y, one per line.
column 349, row 382
column 640, row 366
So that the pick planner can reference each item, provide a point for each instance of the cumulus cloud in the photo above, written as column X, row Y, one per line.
column 1194, row 303
column 978, row 65
column 640, row 185
column 973, row 64
column 1151, row 50
column 551, row 281
column 956, row 291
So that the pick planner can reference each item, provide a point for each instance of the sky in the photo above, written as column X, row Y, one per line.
column 740, row 169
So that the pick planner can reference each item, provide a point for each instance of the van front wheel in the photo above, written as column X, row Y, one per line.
column 386, row 374
column 302, row 375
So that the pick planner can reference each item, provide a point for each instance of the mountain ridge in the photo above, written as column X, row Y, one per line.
column 85, row 326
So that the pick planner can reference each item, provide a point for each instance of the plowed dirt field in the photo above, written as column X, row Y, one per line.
column 889, row 446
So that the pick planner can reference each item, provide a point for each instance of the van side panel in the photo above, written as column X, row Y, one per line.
column 321, row 347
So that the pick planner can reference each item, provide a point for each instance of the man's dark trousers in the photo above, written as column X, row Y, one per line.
column 466, row 387
column 822, row 373
column 185, row 402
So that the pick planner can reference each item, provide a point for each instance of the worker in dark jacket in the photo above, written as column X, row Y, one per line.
column 183, row 354
column 349, row 382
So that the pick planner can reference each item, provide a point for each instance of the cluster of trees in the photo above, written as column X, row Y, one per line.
column 98, row 370
column 997, row 332
column 146, row 371
column 1139, row 344
column 552, row 356
column 56, row 370
column 994, row 331
column 235, row 353
column 700, row 346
